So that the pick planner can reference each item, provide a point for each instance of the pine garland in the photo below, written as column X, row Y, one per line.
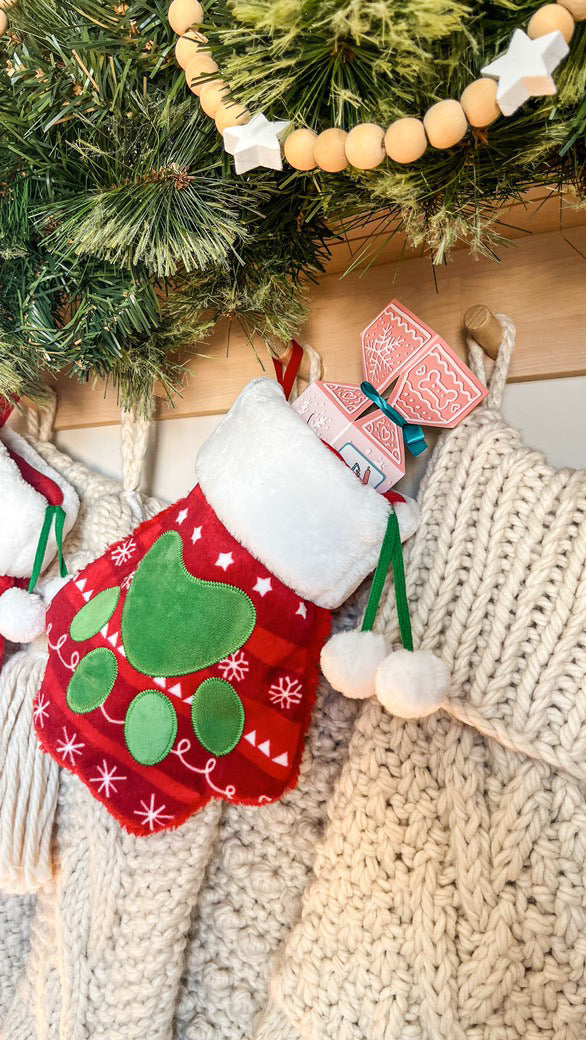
column 124, row 233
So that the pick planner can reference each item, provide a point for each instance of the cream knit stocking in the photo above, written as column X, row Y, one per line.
column 254, row 883
column 448, row 900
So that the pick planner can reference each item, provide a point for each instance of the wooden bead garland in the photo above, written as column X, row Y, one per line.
column 202, row 64
column 183, row 14
column 330, row 150
column 211, row 95
column 445, row 124
column 577, row 8
column 300, row 149
column 230, row 113
column 549, row 18
column 186, row 47
column 479, row 102
column 365, row 146
column 405, row 140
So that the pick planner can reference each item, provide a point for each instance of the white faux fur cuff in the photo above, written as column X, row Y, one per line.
column 289, row 500
column 23, row 508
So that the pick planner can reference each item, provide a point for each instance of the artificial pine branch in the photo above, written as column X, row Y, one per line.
column 124, row 233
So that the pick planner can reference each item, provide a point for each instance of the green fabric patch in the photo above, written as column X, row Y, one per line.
column 150, row 727
column 92, row 681
column 218, row 716
column 174, row 623
column 90, row 619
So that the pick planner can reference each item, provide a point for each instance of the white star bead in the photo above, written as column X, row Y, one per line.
column 302, row 609
column 525, row 70
column 181, row 516
column 196, row 535
column 224, row 561
column 257, row 143
column 263, row 585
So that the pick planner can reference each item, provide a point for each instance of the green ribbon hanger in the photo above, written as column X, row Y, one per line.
column 57, row 513
column 391, row 553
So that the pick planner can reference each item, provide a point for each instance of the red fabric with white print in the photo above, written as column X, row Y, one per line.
column 275, row 674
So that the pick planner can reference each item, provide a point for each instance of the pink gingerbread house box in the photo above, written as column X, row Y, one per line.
column 372, row 446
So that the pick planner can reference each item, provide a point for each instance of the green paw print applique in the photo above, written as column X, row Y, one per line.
column 173, row 624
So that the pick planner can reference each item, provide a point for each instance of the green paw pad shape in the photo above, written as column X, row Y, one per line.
column 150, row 728
column 172, row 624
column 217, row 714
column 92, row 681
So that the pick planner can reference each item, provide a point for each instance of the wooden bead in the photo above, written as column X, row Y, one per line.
column 445, row 124
column 300, row 149
column 549, row 18
column 230, row 113
column 185, row 47
column 330, row 150
column 202, row 64
column 479, row 102
column 182, row 14
column 577, row 8
column 405, row 140
column 210, row 97
column 365, row 146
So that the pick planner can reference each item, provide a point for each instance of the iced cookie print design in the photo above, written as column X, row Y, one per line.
column 179, row 669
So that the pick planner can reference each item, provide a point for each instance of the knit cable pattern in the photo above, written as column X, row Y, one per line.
column 449, row 894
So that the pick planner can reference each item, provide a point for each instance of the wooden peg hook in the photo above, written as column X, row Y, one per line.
column 486, row 329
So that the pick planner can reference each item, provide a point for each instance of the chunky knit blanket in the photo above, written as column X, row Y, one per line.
column 448, row 899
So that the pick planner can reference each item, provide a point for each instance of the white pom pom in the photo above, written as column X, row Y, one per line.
column 22, row 615
column 412, row 684
column 349, row 661
column 49, row 589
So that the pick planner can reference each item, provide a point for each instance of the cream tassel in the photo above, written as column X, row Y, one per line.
column 29, row 779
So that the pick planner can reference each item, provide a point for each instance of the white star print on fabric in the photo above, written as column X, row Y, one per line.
column 301, row 609
column 225, row 560
column 69, row 747
column 263, row 585
column 41, row 710
column 107, row 779
column 196, row 535
column 525, row 70
column 124, row 552
column 152, row 816
column 286, row 692
column 257, row 143
column 181, row 516
column 234, row 667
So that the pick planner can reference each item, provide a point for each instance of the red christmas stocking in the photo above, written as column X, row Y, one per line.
column 183, row 663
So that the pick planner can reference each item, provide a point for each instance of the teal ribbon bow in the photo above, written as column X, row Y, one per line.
column 57, row 513
column 412, row 435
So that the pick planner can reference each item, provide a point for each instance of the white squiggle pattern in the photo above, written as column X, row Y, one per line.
column 73, row 663
column 182, row 748
column 115, row 722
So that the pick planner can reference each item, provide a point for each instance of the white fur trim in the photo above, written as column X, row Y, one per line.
column 289, row 500
column 412, row 684
column 22, row 615
column 349, row 661
column 23, row 508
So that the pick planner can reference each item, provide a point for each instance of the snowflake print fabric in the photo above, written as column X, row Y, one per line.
column 131, row 735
